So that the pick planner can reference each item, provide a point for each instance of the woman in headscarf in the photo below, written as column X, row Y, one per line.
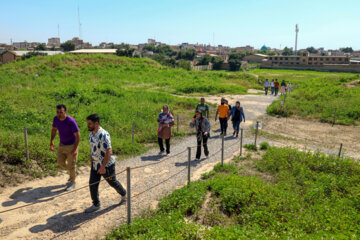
column 237, row 115
column 283, row 88
column 166, row 121
column 202, row 126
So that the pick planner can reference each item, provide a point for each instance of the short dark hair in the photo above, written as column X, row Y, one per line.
column 94, row 118
column 60, row 106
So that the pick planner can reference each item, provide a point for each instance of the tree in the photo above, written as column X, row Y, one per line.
column 204, row 60
column 125, row 50
column 217, row 62
column 68, row 46
column 182, row 63
column 347, row 50
column 311, row 50
column 189, row 54
column 287, row 52
column 32, row 54
column 235, row 61
column 40, row 47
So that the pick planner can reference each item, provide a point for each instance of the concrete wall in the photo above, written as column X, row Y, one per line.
column 254, row 59
column 350, row 68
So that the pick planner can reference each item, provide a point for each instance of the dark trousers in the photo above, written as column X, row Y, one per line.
column 223, row 124
column 110, row 178
column 272, row 90
column 266, row 90
column 202, row 138
column 236, row 126
column 161, row 144
column 276, row 91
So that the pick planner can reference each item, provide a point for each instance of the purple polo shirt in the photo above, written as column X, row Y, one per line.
column 66, row 129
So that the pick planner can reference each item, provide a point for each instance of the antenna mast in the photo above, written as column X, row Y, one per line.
column 80, row 34
column 296, row 38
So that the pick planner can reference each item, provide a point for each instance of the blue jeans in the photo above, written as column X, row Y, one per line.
column 236, row 126
column 272, row 90
column 110, row 178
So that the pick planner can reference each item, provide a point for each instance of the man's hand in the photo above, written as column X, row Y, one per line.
column 215, row 119
column 244, row 119
column 193, row 120
column 74, row 152
column 52, row 146
column 102, row 170
column 206, row 133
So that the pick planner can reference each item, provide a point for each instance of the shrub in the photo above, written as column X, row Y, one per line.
column 250, row 146
column 264, row 146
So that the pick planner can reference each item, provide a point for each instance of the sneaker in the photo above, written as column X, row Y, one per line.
column 168, row 153
column 224, row 133
column 123, row 199
column 207, row 156
column 93, row 208
column 71, row 187
column 197, row 159
column 161, row 152
column 237, row 135
column 234, row 133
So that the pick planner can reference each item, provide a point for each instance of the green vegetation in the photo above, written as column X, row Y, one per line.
column 250, row 146
column 317, row 95
column 114, row 87
column 264, row 146
column 310, row 196
column 68, row 46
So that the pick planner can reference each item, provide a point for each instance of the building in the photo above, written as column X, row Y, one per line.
column 53, row 42
column 255, row 58
column 306, row 59
column 20, row 53
column 94, row 51
column 245, row 49
column 7, row 56
column 104, row 45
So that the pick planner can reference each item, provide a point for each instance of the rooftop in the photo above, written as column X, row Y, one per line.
column 94, row 51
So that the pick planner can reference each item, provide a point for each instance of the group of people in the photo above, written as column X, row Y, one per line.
column 274, row 87
column 102, row 159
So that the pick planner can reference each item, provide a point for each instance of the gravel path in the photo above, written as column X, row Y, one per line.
column 53, row 218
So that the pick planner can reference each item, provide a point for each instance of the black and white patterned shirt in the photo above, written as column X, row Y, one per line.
column 99, row 142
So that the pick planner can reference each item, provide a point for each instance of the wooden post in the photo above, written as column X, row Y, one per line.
column 137, row 114
column 340, row 149
column 256, row 131
column 334, row 118
column 26, row 144
column 128, row 192
column 189, row 164
column 222, row 150
column 177, row 123
column 241, row 140
column 133, row 132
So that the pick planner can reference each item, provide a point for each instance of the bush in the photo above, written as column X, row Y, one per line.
column 250, row 146
column 264, row 146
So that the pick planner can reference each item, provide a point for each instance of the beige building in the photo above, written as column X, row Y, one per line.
column 255, row 58
column 306, row 59
column 54, row 42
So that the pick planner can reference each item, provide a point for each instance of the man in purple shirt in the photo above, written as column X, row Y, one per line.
column 69, row 141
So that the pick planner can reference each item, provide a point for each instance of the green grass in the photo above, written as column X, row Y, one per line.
column 311, row 196
column 317, row 96
column 114, row 87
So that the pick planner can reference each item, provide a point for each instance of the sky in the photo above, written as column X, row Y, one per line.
column 331, row 24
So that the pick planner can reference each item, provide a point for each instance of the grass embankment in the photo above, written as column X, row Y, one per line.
column 317, row 95
column 114, row 87
column 307, row 196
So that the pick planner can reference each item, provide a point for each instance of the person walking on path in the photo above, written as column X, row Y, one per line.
column 166, row 121
column 224, row 115
column 202, row 126
column 203, row 107
column 266, row 86
column 227, row 103
column 102, row 162
column 283, row 88
column 237, row 115
column 67, row 152
column 289, row 87
column 276, row 87
column 272, row 87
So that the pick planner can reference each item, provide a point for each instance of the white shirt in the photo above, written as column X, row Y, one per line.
column 272, row 84
column 266, row 84
column 99, row 142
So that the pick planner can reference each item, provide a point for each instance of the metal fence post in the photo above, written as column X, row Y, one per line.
column 128, row 192
column 334, row 118
column 241, row 140
column 222, row 150
column 26, row 143
column 189, row 164
column 340, row 149
column 133, row 132
column 256, row 131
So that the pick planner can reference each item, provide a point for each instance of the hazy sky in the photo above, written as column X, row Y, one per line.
column 323, row 23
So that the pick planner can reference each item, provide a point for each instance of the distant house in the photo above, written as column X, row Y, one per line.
column 7, row 56
column 256, row 58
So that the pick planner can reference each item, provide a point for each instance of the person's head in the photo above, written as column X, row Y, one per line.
column 198, row 114
column 276, row 80
column 272, row 80
column 237, row 104
column 165, row 109
column 202, row 100
column 222, row 101
column 266, row 80
column 226, row 102
column 61, row 111
column 93, row 122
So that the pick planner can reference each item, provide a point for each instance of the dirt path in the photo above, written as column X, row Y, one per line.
column 53, row 217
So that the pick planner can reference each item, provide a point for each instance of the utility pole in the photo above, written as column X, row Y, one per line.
column 80, row 35
column 58, row 31
column 296, row 37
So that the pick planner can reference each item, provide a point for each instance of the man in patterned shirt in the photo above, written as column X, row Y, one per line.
column 102, row 162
